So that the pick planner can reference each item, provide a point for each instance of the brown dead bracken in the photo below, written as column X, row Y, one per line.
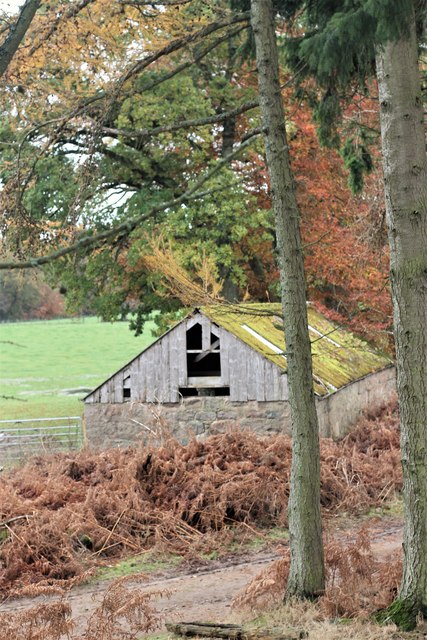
column 83, row 509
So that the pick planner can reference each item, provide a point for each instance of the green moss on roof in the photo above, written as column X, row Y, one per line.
column 339, row 357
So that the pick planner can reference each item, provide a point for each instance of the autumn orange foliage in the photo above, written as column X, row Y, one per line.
column 344, row 236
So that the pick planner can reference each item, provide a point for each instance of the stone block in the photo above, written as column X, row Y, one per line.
column 220, row 426
column 227, row 414
column 205, row 416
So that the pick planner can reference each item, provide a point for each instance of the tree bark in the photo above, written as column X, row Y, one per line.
column 17, row 33
column 405, row 179
column 231, row 631
column 306, row 578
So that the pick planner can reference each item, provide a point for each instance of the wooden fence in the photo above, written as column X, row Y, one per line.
column 20, row 439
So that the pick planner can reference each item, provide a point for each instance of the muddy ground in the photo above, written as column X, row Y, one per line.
column 204, row 592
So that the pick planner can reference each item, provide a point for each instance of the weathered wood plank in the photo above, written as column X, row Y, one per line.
column 235, row 364
column 110, row 386
column 224, row 342
column 164, row 370
column 276, row 383
column 243, row 362
column 180, row 339
column 215, row 330
column 118, row 387
column 251, row 375
column 140, row 376
column 269, row 381
column 260, row 377
column 204, row 381
column 190, row 322
column 174, row 364
column 206, row 333
column 153, row 361
column 104, row 393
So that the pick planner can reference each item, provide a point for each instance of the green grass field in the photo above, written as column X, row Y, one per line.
column 48, row 366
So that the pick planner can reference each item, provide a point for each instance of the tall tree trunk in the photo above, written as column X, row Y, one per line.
column 17, row 33
column 306, row 577
column 405, row 178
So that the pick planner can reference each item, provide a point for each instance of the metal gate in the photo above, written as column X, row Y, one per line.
column 20, row 439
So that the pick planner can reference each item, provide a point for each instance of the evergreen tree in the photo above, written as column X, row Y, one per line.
column 335, row 42
column 405, row 180
column 338, row 45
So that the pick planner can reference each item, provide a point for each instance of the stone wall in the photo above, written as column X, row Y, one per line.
column 122, row 424
column 339, row 411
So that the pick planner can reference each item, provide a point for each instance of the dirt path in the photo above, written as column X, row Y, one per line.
column 205, row 593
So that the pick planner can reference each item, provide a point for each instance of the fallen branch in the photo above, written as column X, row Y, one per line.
column 232, row 631
column 6, row 522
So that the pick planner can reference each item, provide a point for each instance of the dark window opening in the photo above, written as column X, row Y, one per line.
column 214, row 341
column 186, row 392
column 194, row 338
column 208, row 365
column 126, row 388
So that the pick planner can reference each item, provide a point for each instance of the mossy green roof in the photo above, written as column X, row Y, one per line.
column 339, row 357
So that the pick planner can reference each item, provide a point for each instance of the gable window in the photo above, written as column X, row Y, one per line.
column 203, row 358
column 202, row 362
column 126, row 389
column 194, row 338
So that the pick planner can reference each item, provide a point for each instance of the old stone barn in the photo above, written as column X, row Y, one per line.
column 223, row 365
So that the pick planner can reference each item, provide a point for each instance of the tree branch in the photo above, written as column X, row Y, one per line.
column 178, row 43
column 145, row 3
column 90, row 241
column 141, row 134
column 17, row 33
column 71, row 13
column 197, row 58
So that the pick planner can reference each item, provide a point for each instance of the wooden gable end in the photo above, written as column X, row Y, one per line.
column 195, row 358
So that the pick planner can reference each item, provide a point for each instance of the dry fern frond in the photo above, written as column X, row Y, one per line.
column 356, row 583
column 88, row 508
column 51, row 621
column 124, row 613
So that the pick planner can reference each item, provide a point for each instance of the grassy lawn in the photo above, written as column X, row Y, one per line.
column 48, row 366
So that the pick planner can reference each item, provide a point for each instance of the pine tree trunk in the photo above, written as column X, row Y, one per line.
column 306, row 577
column 405, row 177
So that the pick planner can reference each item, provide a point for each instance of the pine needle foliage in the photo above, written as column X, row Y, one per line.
column 333, row 42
